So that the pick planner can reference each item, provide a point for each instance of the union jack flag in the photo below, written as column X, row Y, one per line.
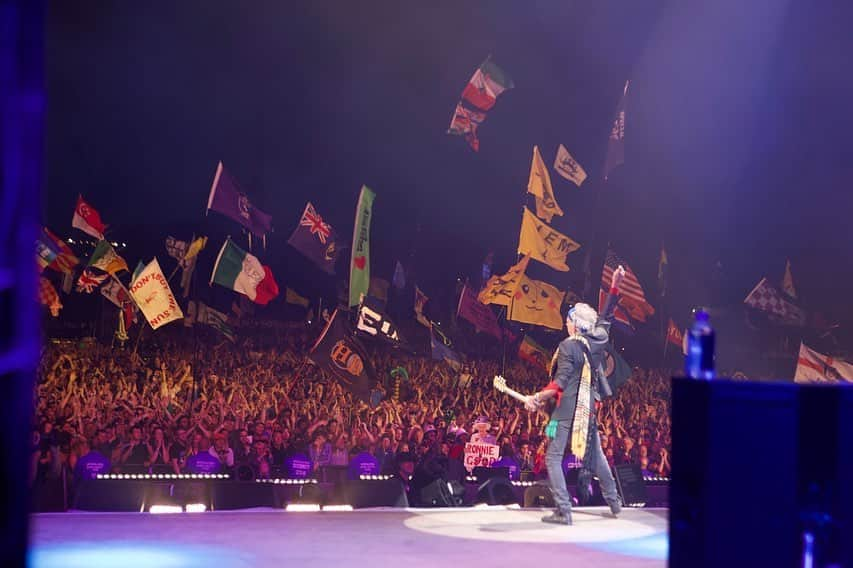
column 88, row 281
column 315, row 223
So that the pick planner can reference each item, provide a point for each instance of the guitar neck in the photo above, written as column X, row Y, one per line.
column 515, row 394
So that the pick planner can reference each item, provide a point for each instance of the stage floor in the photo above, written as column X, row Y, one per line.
column 489, row 536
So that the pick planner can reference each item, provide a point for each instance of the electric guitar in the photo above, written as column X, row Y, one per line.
column 500, row 385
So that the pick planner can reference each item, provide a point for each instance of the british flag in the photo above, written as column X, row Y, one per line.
column 89, row 281
column 315, row 223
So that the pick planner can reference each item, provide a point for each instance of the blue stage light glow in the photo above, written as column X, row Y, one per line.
column 655, row 546
column 136, row 555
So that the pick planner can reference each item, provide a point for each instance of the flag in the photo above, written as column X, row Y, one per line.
column 663, row 269
column 534, row 353
column 46, row 250
column 539, row 184
column 673, row 334
column 568, row 167
column 420, row 301
column 176, row 249
column 242, row 272
column 151, row 292
column 226, row 198
column 441, row 352
column 480, row 315
column 399, row 279
column 616, row 369
column 316, row 240
column 188, row 268
column 291, row 297
column 65, row 260
column 767, row 298
column 359, row 279
column 115, row 292
column 105, row 258
column 814, row 367
column 195, row 247
column 543, row 243
column 87, row 219
column 342, row 356
column 214, row 318
column 487, row 83
column 632, row 300
column 501, row 289
column 788, row 281
column 373, row 321
column 89, row 280
column 48, row 296
column 465, row 122
column 538, row 303
column 486, row 272
column 140, row 266
column 616, row 142
column 379, row 289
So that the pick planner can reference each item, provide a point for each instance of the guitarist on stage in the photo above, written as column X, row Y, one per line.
column 576, row 381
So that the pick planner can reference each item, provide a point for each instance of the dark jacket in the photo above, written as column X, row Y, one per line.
column 570, row 359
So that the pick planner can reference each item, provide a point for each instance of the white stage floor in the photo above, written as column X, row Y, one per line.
column 491, row 536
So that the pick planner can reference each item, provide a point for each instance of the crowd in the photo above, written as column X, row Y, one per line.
column 251, row 407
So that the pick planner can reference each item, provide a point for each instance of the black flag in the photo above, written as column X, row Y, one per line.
column 341, row 355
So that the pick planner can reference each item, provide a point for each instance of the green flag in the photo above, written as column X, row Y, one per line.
column 359, row 276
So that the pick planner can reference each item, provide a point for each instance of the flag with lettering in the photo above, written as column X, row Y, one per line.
column 87, row 219
column 539, row 185
column 568, row 167
column 341, row 355
column 316, row 240
column 673, row 334
column 226, row 198
column 537, row 303
column 500, row 289
column 373, row 321
column 480, row 315
column 150, row 290
column 359, row 281
column 544, row 243
column 616, row 141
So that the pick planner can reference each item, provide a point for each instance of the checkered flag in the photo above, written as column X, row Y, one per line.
column 767, row 298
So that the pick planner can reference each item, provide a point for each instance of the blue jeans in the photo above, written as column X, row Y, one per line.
column 595, row 461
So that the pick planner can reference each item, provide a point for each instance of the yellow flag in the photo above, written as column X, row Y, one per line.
column 543, row 243
column 538, row 303
column 500, row 289
column 291, row 297
column 539, row 184
column 195, row 247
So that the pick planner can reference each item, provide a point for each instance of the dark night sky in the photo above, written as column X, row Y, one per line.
column 737, row 131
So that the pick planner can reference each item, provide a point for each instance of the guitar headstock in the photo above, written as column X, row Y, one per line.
column 499, row 383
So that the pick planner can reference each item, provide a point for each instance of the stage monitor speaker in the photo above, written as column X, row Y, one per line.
column 231, row 495
column 631, row 485
column 484, row 473
column 361, row 494
column 441, row 493
column 538, row 495
column 497, row 491
column 757, row 470
column 110, row 495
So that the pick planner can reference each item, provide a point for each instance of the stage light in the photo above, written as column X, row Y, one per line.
column 302, row 508
column 336, row 508
column 195, row 508
column 164, row 509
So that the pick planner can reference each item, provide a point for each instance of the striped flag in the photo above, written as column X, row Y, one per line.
column 632, row 300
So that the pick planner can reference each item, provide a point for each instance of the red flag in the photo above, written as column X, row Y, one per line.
column 673, row 334
column 87, row 219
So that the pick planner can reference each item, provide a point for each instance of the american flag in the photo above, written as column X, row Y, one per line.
column 632, row 299
column 315, row 223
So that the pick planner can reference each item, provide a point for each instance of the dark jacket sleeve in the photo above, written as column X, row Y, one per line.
column 567, row 360
column 605, row 318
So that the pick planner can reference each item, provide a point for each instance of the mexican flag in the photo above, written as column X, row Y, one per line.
column 359, row 276
column 242, row 272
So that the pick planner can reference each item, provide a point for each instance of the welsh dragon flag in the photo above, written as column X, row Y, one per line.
column 242, row 272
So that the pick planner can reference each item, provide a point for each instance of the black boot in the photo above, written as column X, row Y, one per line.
column 558, row 518
column 615, row 506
